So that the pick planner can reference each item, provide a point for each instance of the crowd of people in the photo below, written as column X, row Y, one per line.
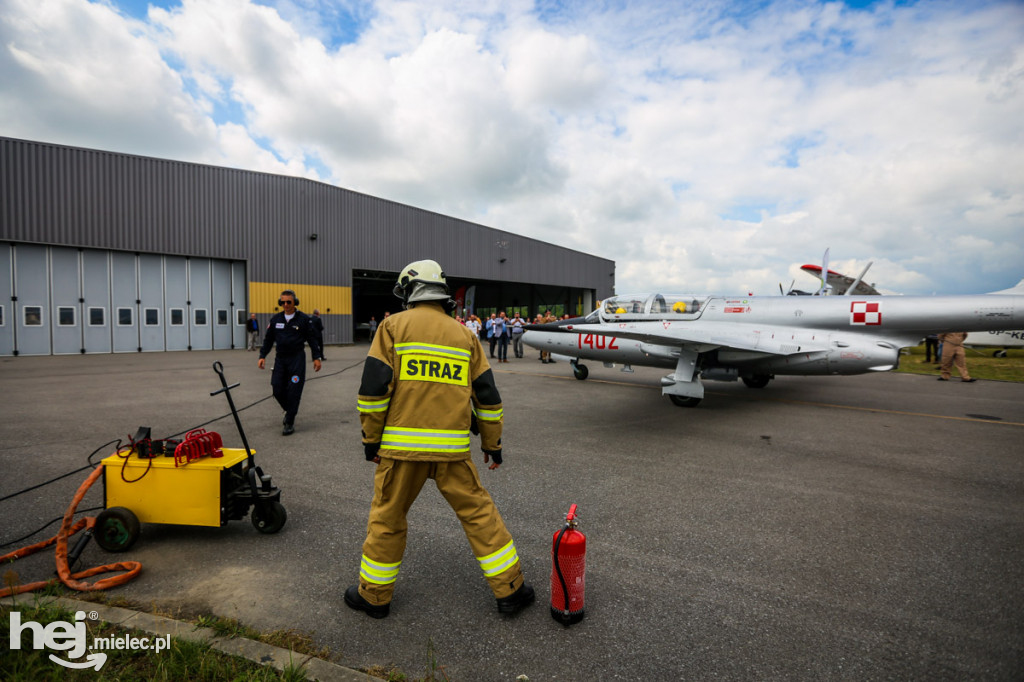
column 499, row 330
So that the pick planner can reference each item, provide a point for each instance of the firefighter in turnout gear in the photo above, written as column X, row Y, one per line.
column 426, row 383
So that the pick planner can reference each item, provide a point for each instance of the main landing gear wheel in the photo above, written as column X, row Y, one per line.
column 999, row 354
column 116, row 529
column 757, row 381
column 580, row 371
column 270, row 518
column 683, row 401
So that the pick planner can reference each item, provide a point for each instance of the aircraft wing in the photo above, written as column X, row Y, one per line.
column 705, row 336
column 840, row 282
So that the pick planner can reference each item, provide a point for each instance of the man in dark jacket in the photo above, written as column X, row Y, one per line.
column 290, row 330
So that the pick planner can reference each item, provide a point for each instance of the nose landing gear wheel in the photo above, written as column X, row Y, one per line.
column 683, row 401
column 580, row 371
column 270, row 519
column 116, row 529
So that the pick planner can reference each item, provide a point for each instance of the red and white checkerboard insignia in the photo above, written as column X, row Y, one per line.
column 864, row 313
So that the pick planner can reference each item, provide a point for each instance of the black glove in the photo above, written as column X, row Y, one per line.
column 494, row 454
column 371, row 450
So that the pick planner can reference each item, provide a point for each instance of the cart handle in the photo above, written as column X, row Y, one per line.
column 226, row 390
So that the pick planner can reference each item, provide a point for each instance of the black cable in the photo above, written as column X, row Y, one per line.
column 38, row 530
column 91, row 465
column 217, row 419
column 253, row 404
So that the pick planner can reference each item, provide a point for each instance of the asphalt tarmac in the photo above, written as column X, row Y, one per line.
column 843, row 528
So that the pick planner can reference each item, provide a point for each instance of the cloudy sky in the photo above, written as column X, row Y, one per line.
column 703, row 145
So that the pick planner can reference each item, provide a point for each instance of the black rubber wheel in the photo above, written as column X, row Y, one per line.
column 757, row 381
column 580, row 371
column 683, row 401
column 116, row 529
column 270, row 519
column 999, row 354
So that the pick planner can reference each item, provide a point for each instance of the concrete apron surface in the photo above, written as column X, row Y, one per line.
column 820, row 528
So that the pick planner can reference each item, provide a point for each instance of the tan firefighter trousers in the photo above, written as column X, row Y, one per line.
column 395, row 487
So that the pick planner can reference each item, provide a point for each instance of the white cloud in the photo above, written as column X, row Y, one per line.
column 79, row 73
column 701, row 146
column 552, row 71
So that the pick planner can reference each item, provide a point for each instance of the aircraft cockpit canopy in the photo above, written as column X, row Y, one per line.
column 653, row 307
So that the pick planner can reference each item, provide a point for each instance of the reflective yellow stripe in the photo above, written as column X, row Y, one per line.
column 488, row 415
column 375, row 572
column 425, row 440
column 433, row 349
column 504, row 558
column 373, row 405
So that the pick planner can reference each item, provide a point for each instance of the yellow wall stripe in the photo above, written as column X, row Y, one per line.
column 329, row 300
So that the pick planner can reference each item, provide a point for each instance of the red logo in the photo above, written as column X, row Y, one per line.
column 864, row 313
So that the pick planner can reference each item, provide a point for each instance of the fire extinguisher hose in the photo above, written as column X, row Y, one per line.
column 67, row 529
column 558, row 569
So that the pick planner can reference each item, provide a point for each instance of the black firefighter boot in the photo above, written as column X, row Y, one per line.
column 516, row 601
column 354, row 600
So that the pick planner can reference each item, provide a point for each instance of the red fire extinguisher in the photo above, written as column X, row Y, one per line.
column 568, row 571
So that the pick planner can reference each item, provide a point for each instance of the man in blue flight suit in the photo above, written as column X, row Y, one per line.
column 291, row 330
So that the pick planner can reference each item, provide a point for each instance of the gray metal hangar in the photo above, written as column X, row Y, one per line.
column 103, row 252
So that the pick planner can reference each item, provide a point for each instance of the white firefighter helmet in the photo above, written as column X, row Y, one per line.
column 425, row 272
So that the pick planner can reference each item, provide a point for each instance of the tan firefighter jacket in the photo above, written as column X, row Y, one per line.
column 424, row 377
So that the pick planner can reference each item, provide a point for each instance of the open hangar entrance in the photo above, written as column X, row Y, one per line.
column 372, row 295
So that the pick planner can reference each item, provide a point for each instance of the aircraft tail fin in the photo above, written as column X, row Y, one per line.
column 824, row 274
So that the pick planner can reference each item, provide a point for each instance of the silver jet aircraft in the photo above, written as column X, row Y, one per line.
column 754, row 339
column 1002, row 340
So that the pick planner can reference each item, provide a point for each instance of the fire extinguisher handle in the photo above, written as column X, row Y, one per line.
column 572, row 513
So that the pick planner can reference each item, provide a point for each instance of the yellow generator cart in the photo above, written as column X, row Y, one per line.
column 209, row 489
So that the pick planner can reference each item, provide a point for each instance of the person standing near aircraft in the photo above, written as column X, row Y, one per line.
column 545, row 355
column 500, row 328
column 291, row 330
column 931, row 348
column 489, row 325
column 252, row 327
column 953, row 355
column 516, row 325
column 473, row 325
column 424, row 379
column 318, row 327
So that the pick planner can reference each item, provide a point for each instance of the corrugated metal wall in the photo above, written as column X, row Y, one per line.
column 59, row 195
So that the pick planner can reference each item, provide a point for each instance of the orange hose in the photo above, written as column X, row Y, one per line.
column 70, row 579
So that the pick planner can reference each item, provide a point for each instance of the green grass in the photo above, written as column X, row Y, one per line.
column 184, row 660
column 980, row 364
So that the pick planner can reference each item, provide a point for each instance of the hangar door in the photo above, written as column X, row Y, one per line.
column 63, row 300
